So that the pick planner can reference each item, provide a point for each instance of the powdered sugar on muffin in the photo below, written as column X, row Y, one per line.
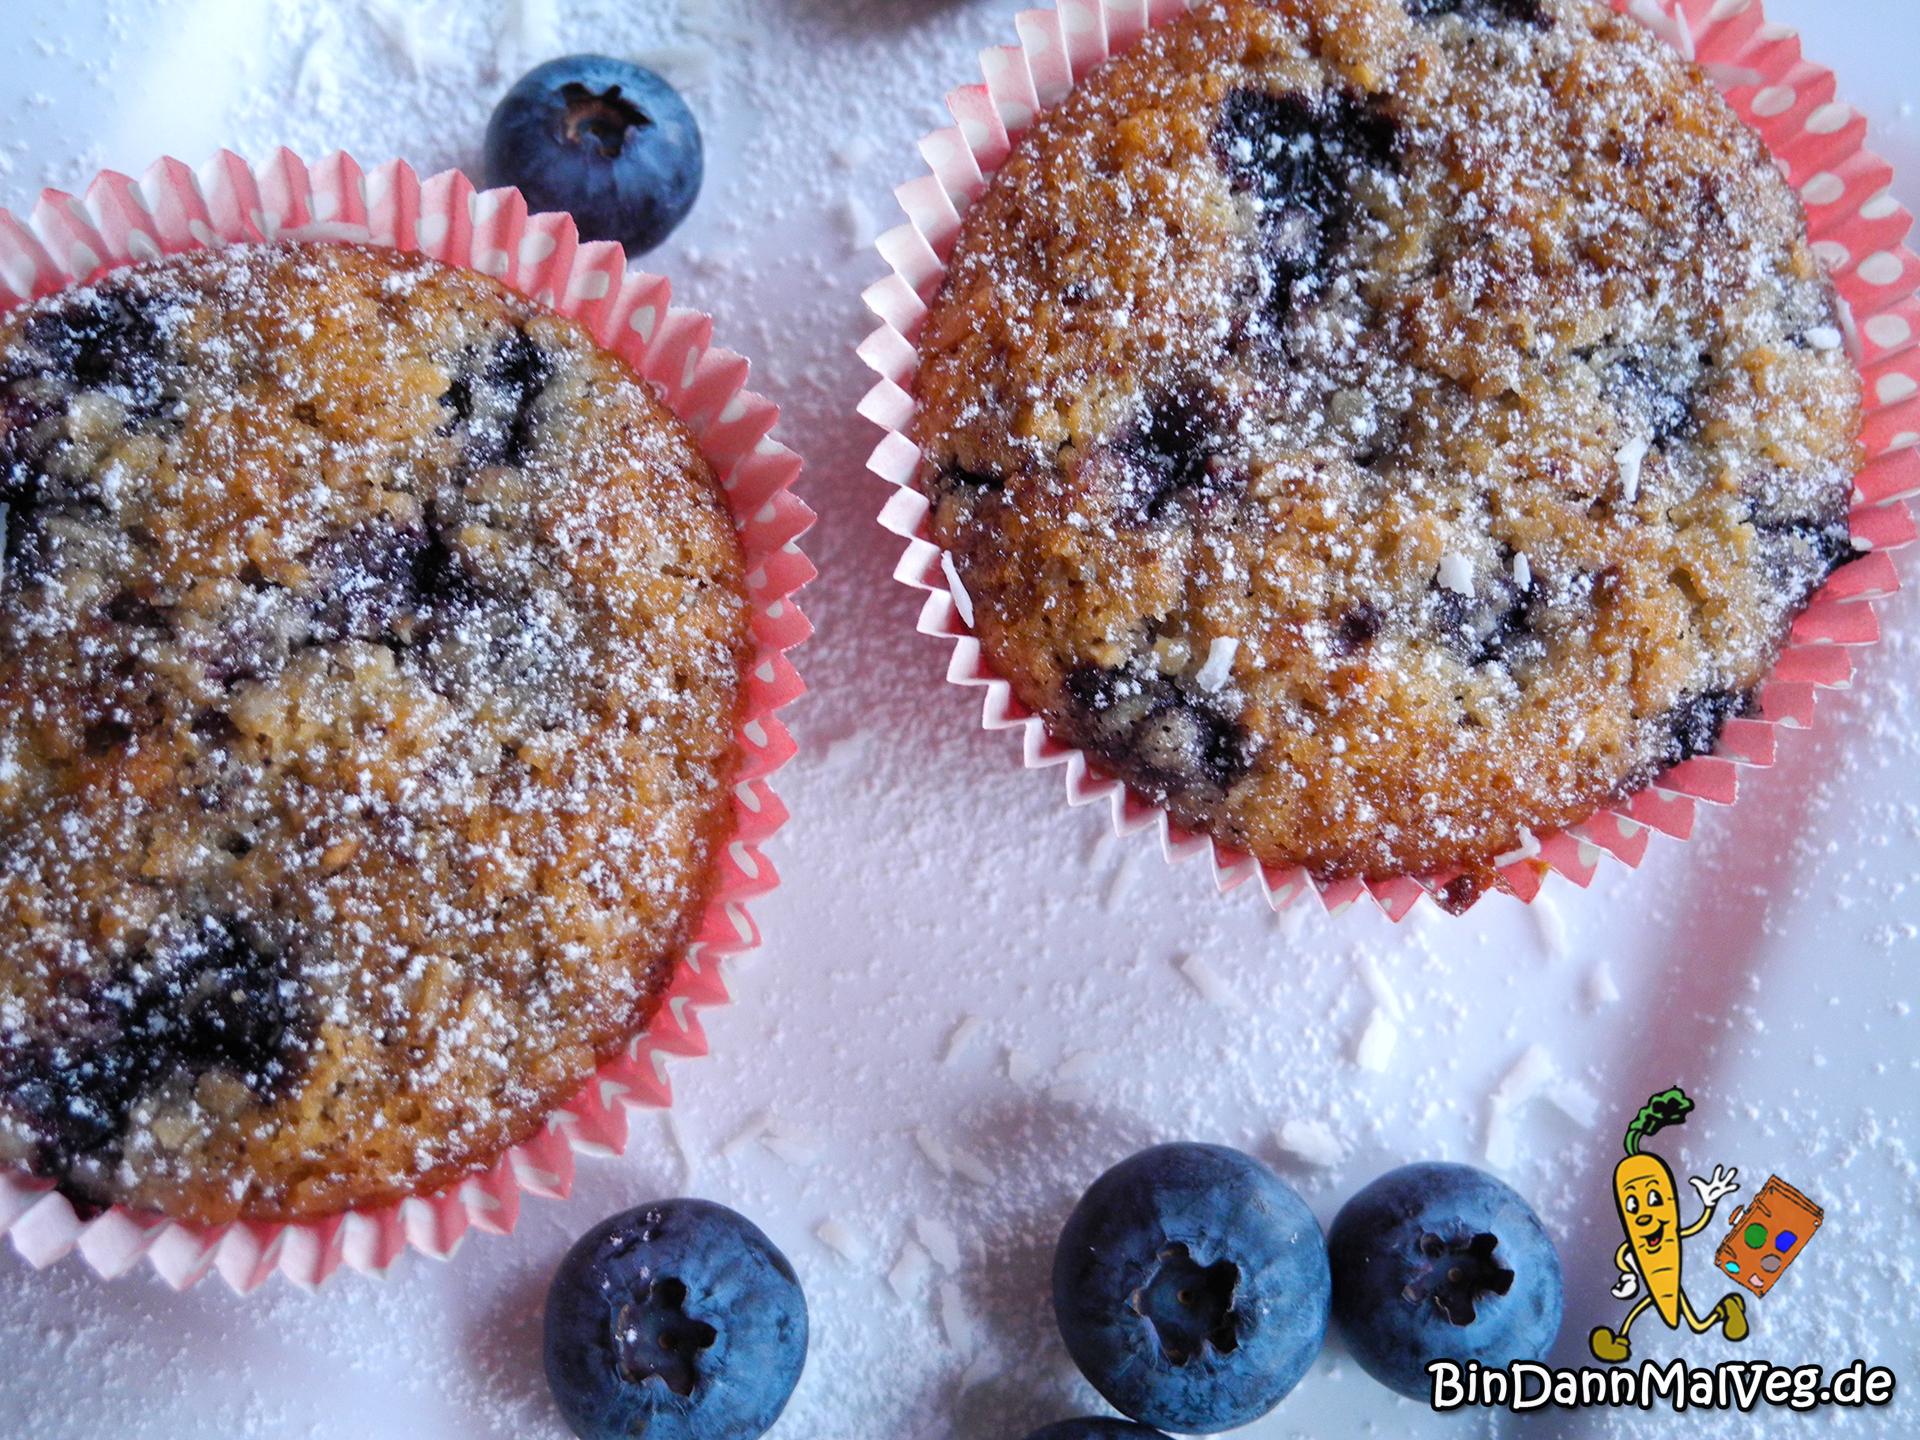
column 1377, row 432
column 370, row 657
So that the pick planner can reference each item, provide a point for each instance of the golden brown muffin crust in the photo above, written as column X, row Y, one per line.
column 1378, row 435
column 371, row 647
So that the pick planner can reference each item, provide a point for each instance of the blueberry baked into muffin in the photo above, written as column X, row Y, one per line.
column 1377, row 430
column 371, row 650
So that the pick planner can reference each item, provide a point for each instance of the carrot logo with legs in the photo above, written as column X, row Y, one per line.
column 1648, row 1202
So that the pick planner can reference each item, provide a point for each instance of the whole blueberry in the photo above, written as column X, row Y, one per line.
column 678, row 1320
column 608, row 142
column 1441, row 1262
column 1096, row 1427
column 1191, row 1287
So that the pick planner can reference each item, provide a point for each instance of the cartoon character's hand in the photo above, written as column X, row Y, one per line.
column 1718, row 1188
column 1627, row 1287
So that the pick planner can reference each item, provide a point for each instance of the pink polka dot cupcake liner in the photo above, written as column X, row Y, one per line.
column 120, row 221
column 1856, row 228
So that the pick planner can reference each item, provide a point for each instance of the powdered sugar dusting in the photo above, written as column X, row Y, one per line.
column 926, row 877
column 1346, row 347
column 350, row 636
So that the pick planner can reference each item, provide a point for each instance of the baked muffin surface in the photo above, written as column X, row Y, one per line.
column 1380, row 432
column 371, row 648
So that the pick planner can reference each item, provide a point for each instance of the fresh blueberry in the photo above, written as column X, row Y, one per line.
column 1441, row 1262
column 1191, row 1287
column 678, row 1320
column 608, row 142
column 1092, row 1427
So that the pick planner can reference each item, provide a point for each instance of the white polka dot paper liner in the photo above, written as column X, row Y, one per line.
column 119, row 221
column 1856, row 228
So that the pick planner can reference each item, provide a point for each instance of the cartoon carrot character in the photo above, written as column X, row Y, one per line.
column 1648, row 1203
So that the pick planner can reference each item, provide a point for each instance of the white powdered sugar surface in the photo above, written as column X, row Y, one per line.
column 943, row 912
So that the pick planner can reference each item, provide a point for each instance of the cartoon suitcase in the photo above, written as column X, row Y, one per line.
column 1768, row 1233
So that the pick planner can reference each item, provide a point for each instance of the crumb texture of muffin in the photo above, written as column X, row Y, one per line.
column 1380, row 431
column 371, row 652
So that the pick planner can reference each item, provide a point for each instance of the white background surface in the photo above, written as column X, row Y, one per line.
column 1766, row 966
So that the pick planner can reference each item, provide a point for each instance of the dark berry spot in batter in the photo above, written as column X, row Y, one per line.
column 1629, row 153
column 106, row 736
column 1157, row 736
column 1096, row 689
column 1802, row 554
column 1803, row 536
column 370, row 573
column 212, row 998
column 131, row 608
column 1656, row 397
column 1299, row 156
column 954, row 482
column 32, row 500
column 493, row 398
column 215, row 727
column 439, row 580
column 28, row 430
column 1493, row 626
column 104, row 339
column 1694, row 724
column 20, row 526
column 386, row 583
column 954, row 473
column 1458, row 895
column 1357, row 628
column 1487, row 12
column 1171, row 454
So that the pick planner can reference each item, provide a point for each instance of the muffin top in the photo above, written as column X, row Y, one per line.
column 1378, row 431
column 371, row 650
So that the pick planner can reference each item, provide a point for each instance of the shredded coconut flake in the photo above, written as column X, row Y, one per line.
column 1383, row 993
column 1377, row 1042
column 910, row 1271
column 1456, row 573
column 1310, row 1141
column 1630, row 457
column 1533, row 1076
column 749, row 1133
column 1213, row 675
column 956, row 1320
column 962, row 601
column 1550, row 925
column 969, row 1166
column 1209, row 984
column 937, row 1154
column 794, row 1144
column 842, row 1241
column 1527, row 849
column 959, row 1038
column 940, row 1241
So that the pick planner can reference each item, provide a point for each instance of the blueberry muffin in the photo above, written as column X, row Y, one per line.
column 371, row 651
column 1377, row 431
